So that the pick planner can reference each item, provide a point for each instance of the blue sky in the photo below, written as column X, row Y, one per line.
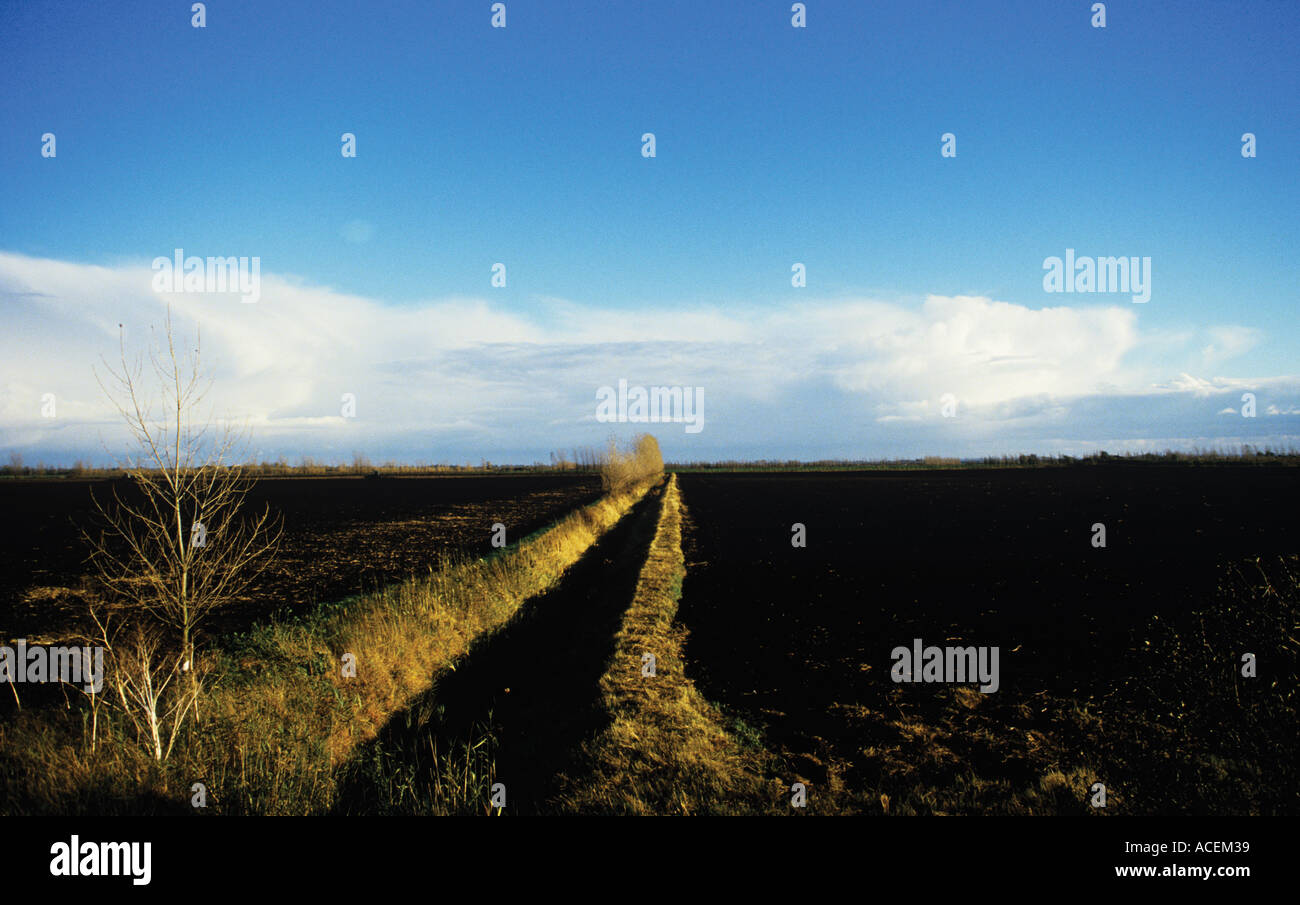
column 775, row 145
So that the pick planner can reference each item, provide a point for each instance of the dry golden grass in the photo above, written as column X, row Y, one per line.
column 666, row 750
column 280, row 715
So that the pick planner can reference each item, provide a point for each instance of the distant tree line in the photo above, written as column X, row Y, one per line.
column 1243, row 455
column 592, row 460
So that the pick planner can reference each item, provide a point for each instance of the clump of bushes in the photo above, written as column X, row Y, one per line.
column 626, row 467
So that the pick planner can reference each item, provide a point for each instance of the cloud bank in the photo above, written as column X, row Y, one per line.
column 459, row 379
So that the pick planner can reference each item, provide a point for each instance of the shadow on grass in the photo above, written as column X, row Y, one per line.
column 517, row 707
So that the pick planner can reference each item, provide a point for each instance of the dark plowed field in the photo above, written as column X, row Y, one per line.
column 341, row 535
column 798, row 641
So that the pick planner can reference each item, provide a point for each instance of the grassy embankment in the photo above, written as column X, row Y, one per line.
column 666, row 750
column 279, row 715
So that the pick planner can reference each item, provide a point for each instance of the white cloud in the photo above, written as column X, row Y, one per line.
column 468, row 373
column 1228, row 342
column 984, row 352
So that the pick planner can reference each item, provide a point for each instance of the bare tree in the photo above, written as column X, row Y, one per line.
column 140, row 675
column 177, row 544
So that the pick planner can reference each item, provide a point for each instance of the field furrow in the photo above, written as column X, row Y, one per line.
column 665, row 749
column 516, row 707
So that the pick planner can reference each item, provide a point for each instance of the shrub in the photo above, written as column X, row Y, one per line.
column 623, row 468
